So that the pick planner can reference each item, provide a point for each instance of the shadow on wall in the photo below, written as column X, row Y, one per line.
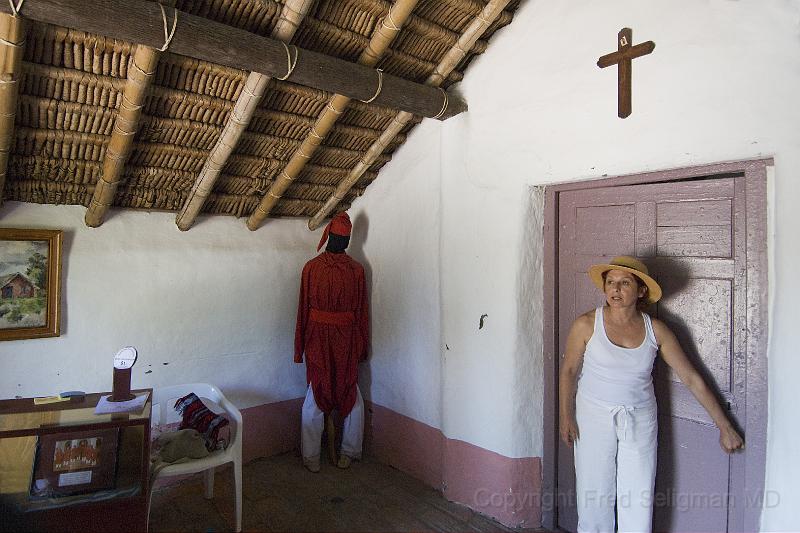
column 528, row 346
column 356, row 250
column 66, row 248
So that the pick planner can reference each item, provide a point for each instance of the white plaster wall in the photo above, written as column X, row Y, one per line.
column 396, row 230
column 216, row 303
column 720, row 85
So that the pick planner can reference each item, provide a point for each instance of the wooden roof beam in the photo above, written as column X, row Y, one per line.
column 140, row 22
column 140, row 77
column 477, row 27
column 381, row 39
column 292, row 15
column 12, row 33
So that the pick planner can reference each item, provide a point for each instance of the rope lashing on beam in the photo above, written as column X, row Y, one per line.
column 380, row 86
column 15, row 8
column 333, row 109
column 12, row 45
column 444, row 104
column 388, row 17
column 126, row 103
column 290, row 64
column 141, row 71
column 314, row 133
column 15, row 12
column 168, row 34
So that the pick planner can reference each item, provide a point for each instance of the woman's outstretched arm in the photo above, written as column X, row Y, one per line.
column 673, row 355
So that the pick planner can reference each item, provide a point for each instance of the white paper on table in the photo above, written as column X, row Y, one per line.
column 104, row 406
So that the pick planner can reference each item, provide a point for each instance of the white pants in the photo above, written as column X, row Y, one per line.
column 615, row 462
column 313, row 420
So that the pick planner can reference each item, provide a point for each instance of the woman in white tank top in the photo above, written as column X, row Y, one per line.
column 607, row 408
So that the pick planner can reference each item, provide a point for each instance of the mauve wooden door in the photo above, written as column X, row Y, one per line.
column 691, row 235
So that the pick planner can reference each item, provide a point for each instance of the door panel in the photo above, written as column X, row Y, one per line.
column 698, row 330
column 697, row 213
column 589, row 219
column 687, row 234
column 691, row 484
column 697, row 241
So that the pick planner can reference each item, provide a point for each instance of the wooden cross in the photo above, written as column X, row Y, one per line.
column 622, row 57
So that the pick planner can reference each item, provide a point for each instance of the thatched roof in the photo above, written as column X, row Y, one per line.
column 70, row 91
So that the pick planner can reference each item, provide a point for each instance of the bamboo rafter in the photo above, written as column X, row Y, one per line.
column 456, row 54
column 385, row 33
column 291, row 16
column 140, row 75
column 12, row 36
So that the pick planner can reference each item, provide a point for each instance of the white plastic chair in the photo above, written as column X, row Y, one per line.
column 164, row 413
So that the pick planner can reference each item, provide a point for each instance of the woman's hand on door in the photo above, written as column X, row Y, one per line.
column 730, row 440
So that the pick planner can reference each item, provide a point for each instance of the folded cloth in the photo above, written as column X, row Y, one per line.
column 182, row 444
column 176, row 447
column 199, row 417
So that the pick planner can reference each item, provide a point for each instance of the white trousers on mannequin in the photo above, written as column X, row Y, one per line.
column 313, row 421
column 615, row 462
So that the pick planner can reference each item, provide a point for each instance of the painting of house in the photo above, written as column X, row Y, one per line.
column 16, row 286
column 23, row 283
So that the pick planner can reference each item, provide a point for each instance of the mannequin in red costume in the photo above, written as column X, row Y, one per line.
column 333, row 332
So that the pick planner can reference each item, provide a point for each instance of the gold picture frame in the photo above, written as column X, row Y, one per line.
column 30, row 283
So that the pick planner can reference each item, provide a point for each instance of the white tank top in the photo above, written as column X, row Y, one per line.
column 615, row 375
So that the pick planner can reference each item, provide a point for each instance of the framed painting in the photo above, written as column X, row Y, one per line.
column 75, row 462
column 30, row 283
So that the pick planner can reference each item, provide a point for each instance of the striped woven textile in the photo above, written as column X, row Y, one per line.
column 199, row 417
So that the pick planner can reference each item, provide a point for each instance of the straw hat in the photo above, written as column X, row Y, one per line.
column 628, row 264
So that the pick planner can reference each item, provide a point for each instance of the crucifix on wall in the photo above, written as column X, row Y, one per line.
column 622, row 58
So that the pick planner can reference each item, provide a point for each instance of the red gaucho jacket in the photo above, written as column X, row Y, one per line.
column 332, row 328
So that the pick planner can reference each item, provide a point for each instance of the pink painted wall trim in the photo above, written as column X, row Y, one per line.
column 504, row 488
column 404, row 443
column 271, row 429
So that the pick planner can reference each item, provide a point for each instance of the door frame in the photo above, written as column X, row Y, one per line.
column 751, row 175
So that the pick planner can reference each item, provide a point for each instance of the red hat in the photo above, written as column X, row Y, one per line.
column 339, row 225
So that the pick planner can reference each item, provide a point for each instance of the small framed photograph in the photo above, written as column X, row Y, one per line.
column 30, row 283
column 75, row 462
